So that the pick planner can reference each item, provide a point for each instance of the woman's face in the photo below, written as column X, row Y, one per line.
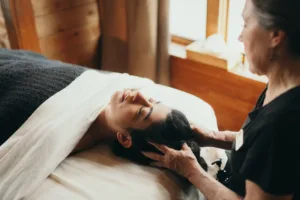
column 131, row 110
column 256, row 41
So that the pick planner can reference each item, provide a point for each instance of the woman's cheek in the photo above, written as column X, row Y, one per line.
column 125, row 118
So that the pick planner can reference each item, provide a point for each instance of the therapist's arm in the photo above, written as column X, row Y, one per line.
column 185, row 163
column 211, row 188
column 214, row 190
column 209, row 138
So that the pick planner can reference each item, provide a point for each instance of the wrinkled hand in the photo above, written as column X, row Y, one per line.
column 182, row 162
column 202, row 135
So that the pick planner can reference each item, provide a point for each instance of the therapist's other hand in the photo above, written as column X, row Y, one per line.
column 202, row 135
column 182, row 162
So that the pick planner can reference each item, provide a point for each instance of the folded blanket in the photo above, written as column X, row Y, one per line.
column 28, row 79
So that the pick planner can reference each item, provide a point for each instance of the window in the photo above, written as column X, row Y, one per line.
column 235, row 24
column 193, row 20
column 188, row 19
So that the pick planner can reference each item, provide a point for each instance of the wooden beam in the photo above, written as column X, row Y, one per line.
column 217, row 17
column 63, row 20
column 20, row 23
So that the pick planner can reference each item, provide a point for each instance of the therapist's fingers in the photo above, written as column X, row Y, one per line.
column 185, row 147
column 164, row 149
column 158, row 164
column 154, row 156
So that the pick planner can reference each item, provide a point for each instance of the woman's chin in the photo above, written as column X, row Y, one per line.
column 254, row 70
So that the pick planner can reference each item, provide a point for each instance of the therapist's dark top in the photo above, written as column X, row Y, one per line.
column 270, row 153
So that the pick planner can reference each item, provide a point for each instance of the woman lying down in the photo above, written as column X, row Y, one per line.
column 49, row 110
column 131, row 121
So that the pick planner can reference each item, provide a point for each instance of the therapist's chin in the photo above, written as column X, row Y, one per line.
column 255, row 70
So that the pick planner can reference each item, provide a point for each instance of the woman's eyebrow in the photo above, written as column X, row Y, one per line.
column 150, row 112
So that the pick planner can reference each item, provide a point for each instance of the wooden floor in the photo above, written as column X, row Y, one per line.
column 230, row 95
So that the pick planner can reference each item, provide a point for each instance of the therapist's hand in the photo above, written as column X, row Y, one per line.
column 202, row 135
column 182, row 162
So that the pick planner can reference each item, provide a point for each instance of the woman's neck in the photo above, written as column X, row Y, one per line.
column 100, row 129
column 283, row 76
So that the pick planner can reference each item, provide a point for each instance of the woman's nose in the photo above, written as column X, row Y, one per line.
column 140, row 99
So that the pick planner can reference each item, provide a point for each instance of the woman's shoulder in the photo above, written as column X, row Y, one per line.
column 286, row 107
column 278, row 123
column 286, row 117
column 282, row 127
column 289, row 119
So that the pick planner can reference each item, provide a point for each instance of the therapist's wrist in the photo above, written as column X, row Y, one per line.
column 210, row 138
column 202, row 135
column 194, row 175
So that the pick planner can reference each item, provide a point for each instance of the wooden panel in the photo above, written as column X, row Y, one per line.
column 231, row 96
column 84, row 54
column 66, row 30
column 4, row 41
column 43, row 7
column 60, row 42
column 69, row 30
column 63, row 20
column 20, row 24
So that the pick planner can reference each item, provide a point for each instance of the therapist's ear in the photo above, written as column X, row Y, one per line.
column 124, row 139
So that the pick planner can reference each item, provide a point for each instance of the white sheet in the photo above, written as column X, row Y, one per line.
column 53, row 130
column 96, row 173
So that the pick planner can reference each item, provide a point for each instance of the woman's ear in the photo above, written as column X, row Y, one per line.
column 277, row 36
column 124, row 139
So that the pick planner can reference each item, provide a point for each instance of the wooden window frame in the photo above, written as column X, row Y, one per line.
column 181, row 40
column 216, row 21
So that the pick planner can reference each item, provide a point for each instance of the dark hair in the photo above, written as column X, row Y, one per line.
column 283, row 15
column 173, row 132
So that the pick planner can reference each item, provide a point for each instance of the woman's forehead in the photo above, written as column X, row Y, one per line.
column 160, row 112
column 247, row 11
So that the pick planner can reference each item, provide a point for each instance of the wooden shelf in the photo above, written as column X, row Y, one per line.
column 193, row 52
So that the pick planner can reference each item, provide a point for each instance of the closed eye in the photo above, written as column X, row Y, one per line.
column 140, row 111
column 148, row 114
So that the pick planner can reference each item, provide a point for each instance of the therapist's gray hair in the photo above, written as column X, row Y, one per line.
column 282, row 15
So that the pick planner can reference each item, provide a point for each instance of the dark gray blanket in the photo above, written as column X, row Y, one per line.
column 27, row 80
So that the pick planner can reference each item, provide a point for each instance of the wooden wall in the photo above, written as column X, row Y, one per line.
column 4, row 41
column 231, row 96
column 68, row 30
